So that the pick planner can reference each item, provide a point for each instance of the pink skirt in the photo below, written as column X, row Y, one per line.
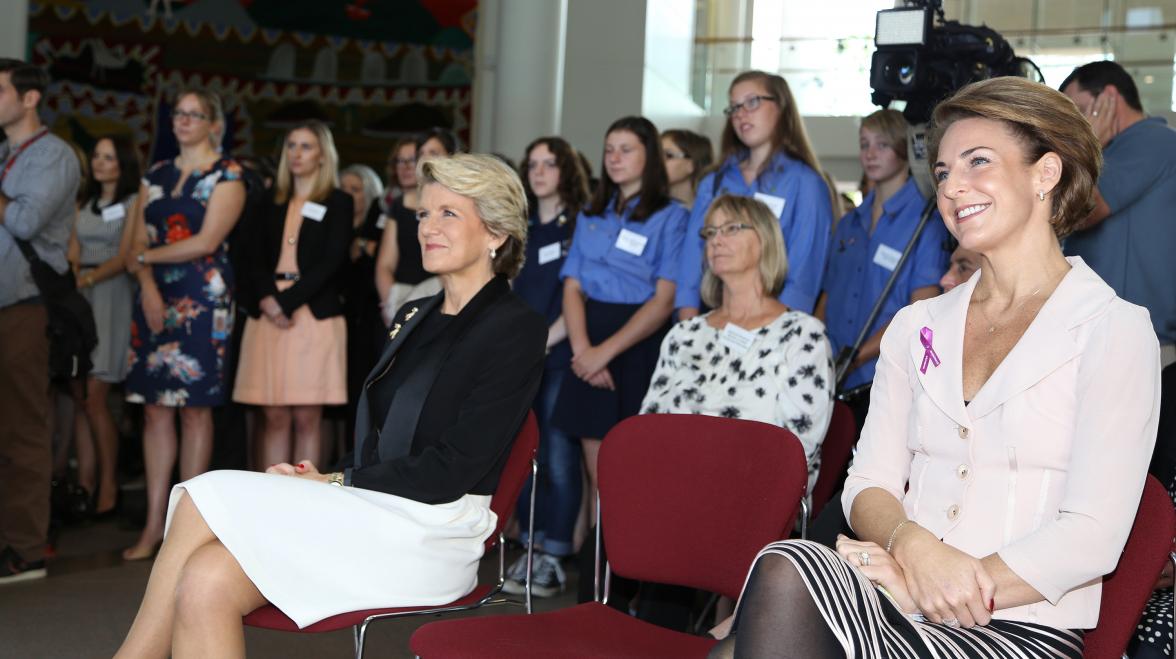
column 305, row 364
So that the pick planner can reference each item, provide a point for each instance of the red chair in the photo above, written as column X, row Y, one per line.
column 519, row 466
column 684, row 500
column 835, row 453
column 1127, row 589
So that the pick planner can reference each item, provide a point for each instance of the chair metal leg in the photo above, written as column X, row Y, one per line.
column 531, row 533
column 596, row 562
column 804, row 518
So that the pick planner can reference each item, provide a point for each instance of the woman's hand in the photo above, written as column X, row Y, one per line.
column 946, row 584
column 272, row 310
column 591, row 361
column 131, row 262
column 882, row 570
column 152, row 303
column 602, row 380
column 1102, row 116
column 304, row 469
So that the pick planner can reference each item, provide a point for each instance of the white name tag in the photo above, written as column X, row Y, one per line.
column 776, row 204
column 887, row 257
column 113, row 213
column 631, row 242
column 313, row 211
column 737, row 338
column 549, row 253
column 382, row 222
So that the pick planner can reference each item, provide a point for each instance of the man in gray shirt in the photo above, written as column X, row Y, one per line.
column 38, row 184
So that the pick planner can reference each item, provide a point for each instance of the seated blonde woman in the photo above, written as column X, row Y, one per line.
column 403, row 521
column 1010, row 428
column 751, row 357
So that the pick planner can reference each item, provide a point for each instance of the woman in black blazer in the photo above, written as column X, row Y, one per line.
column 294, row 350
column 403, row 521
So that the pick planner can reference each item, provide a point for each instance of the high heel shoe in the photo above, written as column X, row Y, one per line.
column 137, row 553
column 106, row 515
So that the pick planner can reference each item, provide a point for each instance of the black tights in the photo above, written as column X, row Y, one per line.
column 778, row 618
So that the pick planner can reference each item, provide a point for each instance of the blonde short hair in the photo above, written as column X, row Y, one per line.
column 498, row 196
column 773, row 262
column 327, row 178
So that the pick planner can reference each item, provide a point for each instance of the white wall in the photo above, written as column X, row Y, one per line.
column 669, row 50
column 14, row 28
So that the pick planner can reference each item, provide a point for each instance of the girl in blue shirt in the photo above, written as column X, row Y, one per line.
column 557, row 188
column 618, row 286
column 765, row 153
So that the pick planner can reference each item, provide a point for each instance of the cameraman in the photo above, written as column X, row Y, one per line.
column 1130, row 238
column 38, row 182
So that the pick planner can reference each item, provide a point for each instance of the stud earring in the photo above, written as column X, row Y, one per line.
column 1041, row 195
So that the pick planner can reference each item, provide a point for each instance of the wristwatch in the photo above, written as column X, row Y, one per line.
column 335, row 478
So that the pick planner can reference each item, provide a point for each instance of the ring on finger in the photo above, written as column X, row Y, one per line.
column 864, row 557
column 951, row 622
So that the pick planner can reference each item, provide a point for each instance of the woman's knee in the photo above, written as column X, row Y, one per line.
column 307, row 418
column 211, row 583
column 776, row 575
column 277, row 416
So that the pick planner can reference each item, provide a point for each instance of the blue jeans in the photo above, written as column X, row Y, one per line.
column 557, row 503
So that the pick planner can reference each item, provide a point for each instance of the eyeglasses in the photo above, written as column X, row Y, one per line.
column 728, row 230
column 751, row 105
column 676, row 155
column 178, row 115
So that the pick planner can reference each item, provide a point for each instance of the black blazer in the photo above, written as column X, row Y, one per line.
column 458, row 418
column 322, row 256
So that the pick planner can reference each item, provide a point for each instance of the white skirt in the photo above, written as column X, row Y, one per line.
column 316, row 550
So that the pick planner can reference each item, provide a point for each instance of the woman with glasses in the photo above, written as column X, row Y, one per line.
column 688, row 156
column 184, row 317
column 751, row 357
column 766, row 154
column 400, row 275
column 293, row 354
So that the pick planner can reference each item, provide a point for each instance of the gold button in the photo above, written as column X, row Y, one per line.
column 964, row 432
column 962, row 471
column 953, row 512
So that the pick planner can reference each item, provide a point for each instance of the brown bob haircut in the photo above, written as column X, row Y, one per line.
column 1043, row 120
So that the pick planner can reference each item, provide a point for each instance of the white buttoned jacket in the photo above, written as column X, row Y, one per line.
column 1046, row 465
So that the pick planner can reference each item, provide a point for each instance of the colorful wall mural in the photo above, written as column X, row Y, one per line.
column 375, row 70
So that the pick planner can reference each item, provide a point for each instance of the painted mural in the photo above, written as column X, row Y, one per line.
column 375, row 70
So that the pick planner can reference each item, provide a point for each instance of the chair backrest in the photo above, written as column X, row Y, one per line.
column 1126, row 590
column 690, row 500
column 514, row 475
column 835, row 452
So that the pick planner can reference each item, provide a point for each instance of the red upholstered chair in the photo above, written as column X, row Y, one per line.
column 835, row 453
column 519, row 466
column 1127, row 589
column 684, row 500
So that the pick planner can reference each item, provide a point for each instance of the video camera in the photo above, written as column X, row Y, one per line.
column 922, row 63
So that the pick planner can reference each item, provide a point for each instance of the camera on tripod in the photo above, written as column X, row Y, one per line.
column 922, row 61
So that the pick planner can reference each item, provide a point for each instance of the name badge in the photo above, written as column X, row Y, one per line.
column 382, row 222
column 549, row 253
column 737, row 338
column 631, row 242
column 887, row 257
column 776, row 204
column 113, row 213
column 313, row 211
column 220, row 324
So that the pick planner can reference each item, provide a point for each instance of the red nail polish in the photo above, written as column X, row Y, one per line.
column 991, row 604
column 302, row 465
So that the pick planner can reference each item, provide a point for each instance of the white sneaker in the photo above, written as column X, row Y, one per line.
column 516, row 575
column 547, row 577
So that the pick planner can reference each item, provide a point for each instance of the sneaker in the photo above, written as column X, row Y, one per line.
column 516, row 576
column 13, row 568
column 547, row 578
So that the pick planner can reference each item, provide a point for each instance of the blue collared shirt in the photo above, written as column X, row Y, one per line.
column 806, row 221
column 1132, row 249
column 612, row 265
column 860, row 263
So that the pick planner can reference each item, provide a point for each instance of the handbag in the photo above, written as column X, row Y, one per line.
column 72, row 332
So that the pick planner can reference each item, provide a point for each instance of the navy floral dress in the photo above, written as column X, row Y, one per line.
column 184, row 364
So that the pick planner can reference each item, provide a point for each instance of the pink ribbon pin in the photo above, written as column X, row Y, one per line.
column 929, row 356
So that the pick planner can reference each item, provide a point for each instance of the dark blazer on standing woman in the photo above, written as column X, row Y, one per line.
column 446, row 428
column 322, row 254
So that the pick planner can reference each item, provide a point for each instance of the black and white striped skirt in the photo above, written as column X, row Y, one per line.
column 869, row 625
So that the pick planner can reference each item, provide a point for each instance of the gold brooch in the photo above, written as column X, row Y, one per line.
column 395, row 331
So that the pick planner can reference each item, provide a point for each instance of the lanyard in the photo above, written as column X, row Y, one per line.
column 20, row 150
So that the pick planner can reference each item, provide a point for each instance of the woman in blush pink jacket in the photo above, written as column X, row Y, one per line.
column 1011, row 424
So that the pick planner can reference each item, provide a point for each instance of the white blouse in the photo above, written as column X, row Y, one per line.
column 784, row 376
